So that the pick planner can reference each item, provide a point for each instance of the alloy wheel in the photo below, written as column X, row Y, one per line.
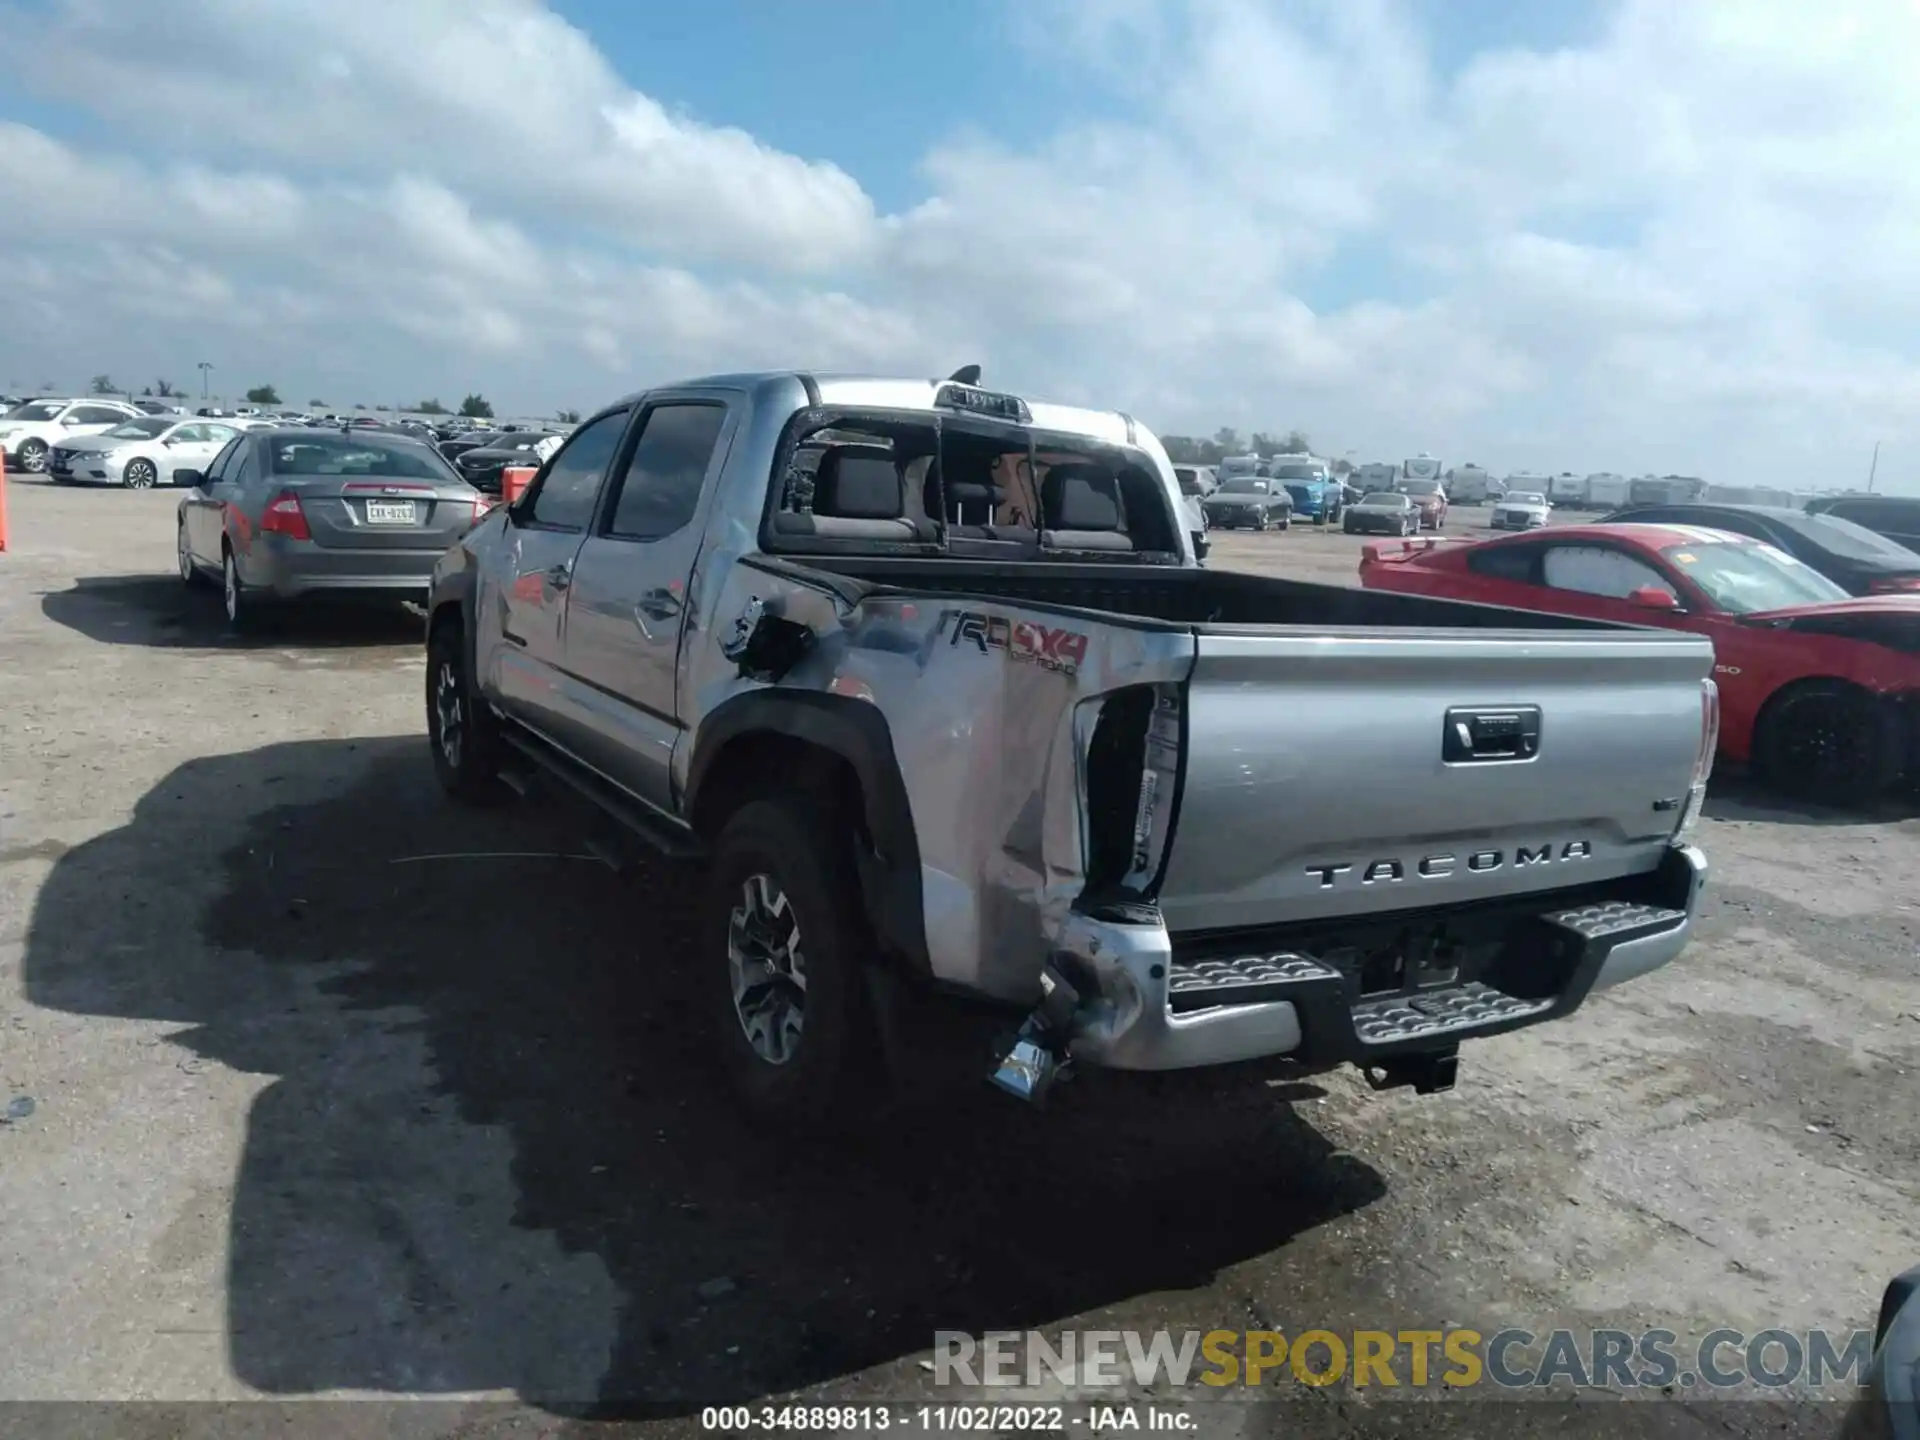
column 768, row 969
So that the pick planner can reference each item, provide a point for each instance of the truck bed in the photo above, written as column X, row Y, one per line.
column 1207, row 599
column 1321, row 774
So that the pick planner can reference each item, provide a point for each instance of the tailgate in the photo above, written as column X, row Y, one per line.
column 1328, row 775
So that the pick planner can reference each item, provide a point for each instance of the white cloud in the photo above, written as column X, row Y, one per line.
column 1684, row 245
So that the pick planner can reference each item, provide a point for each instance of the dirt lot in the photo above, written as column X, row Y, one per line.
column 324, row 1104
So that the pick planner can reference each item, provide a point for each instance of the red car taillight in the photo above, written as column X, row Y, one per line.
column 283, row 516
column 1896, row 585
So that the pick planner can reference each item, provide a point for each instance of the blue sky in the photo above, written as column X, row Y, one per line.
column 905, row 77
column 1551, row 235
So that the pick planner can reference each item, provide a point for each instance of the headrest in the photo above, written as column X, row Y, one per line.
column 858, row 483
column 1081, row 497
column 964, row 486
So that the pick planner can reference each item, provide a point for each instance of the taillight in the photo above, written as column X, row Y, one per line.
column 481, row 505
column 1896, row 585
column 1703, row 760
column 283, row 516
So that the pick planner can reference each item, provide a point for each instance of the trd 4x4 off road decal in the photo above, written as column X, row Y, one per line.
column 1022, row 640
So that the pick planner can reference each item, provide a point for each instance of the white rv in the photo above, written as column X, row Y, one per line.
column 1567, row 489
column 1422, row 467
column 1469, row 485
column 1607, row 491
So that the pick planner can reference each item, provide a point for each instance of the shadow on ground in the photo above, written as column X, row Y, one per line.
column 489, row 1157
column 1738, row 796
column 161, row 612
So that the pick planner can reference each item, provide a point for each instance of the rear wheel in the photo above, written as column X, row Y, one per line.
column 463, row 731
column 1828, row 742
column 242, row 613
column 139, row 474
column 189, row 572
column 783, row 943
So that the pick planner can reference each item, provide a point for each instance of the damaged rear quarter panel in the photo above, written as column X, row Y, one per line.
column 979, row 697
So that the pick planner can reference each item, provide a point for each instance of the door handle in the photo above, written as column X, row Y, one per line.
column 659, row 604
column 560, row 576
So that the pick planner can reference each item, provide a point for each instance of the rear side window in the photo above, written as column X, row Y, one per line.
column 217, row 471
column 660, row 491
column 1505, row 562
column 1599, row 570
column 571, row 483
column 1882, row 515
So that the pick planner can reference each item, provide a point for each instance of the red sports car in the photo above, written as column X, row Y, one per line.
column 1819, row 691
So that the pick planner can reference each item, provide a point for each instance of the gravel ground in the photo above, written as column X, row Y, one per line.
column 322, row 1105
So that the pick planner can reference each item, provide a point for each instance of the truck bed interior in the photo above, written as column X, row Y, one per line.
column 1199, row 597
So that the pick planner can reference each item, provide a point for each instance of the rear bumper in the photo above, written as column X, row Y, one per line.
column 282, row 569
column 1146, row 1008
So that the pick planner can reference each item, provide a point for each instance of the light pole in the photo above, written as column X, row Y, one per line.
column 206, row 369
column 1874, row 468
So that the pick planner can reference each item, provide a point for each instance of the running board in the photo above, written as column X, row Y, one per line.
column 658, row 832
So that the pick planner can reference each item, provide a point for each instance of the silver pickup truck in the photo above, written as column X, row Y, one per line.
column 990, row 778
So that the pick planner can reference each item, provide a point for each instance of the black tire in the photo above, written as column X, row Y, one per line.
column 140, row 474
column 1264, row 523
column 243, row 613
column 805, row 857
column 1828, row 742
column 465, row 738
column 1348, row 527
column 1286, row 521
column 33, row 456
column 190, row 575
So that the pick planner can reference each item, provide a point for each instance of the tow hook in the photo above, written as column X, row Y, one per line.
column 1036, row 1056
column 1429, row 1073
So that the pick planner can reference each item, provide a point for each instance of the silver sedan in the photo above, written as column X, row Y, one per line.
column 286, row 514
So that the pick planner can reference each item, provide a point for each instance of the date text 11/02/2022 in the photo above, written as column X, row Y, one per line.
column 987, row 1419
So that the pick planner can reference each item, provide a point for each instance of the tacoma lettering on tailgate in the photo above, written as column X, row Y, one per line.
column 1442, row 867
column 1022, row 640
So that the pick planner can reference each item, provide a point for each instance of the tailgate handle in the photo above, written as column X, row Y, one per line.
column 1475, row 734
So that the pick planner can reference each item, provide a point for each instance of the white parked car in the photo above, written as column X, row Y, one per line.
column 1521, row 510
column 28, row 432
column 141, row 453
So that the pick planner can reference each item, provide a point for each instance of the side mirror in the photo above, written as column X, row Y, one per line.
column 193, row 478
column 1652, row 597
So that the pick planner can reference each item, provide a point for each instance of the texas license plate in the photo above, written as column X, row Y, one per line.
column 390, row 512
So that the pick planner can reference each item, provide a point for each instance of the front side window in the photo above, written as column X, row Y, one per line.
column 565, row 496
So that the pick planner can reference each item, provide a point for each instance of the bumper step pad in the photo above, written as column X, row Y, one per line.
column 1616, row 919
column 1443, row 1011
column 1242, row 980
